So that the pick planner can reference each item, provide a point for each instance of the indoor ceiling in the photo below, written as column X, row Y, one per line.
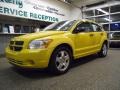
column 102, row 14
column 91, row 3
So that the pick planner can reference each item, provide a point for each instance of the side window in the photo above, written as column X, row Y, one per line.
column 17, row 29
column 84, row 27
column 96, row 27
column 0, row 27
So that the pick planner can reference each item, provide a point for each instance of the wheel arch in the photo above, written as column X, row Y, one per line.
column 51, row 64
column 106, row 42
column 62, row 45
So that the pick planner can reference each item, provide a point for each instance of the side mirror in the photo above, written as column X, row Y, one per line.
column 79, row 29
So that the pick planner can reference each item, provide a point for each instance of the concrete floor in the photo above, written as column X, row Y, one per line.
column 89, row 73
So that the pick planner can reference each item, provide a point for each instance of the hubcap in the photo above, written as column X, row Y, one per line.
column 62, row 60
column 104, row 50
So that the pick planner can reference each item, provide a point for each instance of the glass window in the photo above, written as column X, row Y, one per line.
column 115, row 27
column 88, row 13
column 17, row 29
column 115, row 17
column 26, row 29
column 115, row 35
column 43, row 26
column 106, row 27
column 102, row 19
column 8, row 28
column 32, row 29
column 115, row 8
column 102, row 11
column 37, row 29
column 96, row 27
column 0, row 27
column 84, row 27
column 60, row 26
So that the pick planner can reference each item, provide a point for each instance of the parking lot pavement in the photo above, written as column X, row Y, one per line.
column 89, row 73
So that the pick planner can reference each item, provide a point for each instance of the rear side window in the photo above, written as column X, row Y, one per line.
column 96, row 28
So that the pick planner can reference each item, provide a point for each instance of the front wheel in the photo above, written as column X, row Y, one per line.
column 60, row 60
column 103, row 51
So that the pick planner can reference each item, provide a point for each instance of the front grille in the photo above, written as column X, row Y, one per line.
column 19, row 43
column 17, row 48
column 11, row 42
column 16, row 61
column 16, row 45
column 11, row 47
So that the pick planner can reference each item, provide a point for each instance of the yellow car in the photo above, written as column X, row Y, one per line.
column 57, row 45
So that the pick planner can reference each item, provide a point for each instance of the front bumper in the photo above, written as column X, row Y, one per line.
column 28, row 58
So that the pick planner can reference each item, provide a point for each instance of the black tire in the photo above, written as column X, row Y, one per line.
column 103, row 51
column 57, row 60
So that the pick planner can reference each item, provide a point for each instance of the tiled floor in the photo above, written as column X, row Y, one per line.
column 89, row 73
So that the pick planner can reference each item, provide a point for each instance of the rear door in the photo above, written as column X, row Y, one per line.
column 98, row 34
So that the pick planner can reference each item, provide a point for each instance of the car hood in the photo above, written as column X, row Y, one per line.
column 38, row 35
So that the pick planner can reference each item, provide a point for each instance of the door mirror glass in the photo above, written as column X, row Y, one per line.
column 79, row 29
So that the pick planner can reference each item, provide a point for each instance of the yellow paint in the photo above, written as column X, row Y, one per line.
column 81, row 43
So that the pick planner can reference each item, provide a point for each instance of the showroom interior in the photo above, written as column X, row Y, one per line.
column 22, row 17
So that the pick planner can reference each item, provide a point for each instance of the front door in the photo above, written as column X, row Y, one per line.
column 83, row 39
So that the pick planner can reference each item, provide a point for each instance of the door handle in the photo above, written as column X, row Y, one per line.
column 101, row 34
column 91, row 35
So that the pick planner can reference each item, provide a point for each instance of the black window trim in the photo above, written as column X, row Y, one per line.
column 81, row 23
column 101, row 29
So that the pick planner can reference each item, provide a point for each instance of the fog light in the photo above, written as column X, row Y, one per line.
column 31, row 62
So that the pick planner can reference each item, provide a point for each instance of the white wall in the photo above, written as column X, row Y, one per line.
column 72, row 12
column 67, row 11
column 75, row 13
column 62, row 7
column 36, row 7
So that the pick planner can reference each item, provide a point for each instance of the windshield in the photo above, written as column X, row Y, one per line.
column 60, row 26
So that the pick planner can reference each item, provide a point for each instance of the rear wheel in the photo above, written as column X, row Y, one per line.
column 103, row 51
column 60, row 60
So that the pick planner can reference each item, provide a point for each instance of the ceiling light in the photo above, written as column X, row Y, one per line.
column 103, row 11
column 66, row 1
column 108, row 19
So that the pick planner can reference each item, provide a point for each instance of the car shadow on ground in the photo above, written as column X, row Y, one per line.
column 84, row 60
column 44, row 73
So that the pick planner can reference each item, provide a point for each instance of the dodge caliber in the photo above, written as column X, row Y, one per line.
column 56, row 46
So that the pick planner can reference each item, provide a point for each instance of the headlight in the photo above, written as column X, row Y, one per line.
column 38, row 44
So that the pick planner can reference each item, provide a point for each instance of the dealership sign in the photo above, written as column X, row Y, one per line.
column 31, row 9
column 25, row 14
column 16, row 2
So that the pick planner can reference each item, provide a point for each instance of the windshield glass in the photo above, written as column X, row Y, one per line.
column 60, row 26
